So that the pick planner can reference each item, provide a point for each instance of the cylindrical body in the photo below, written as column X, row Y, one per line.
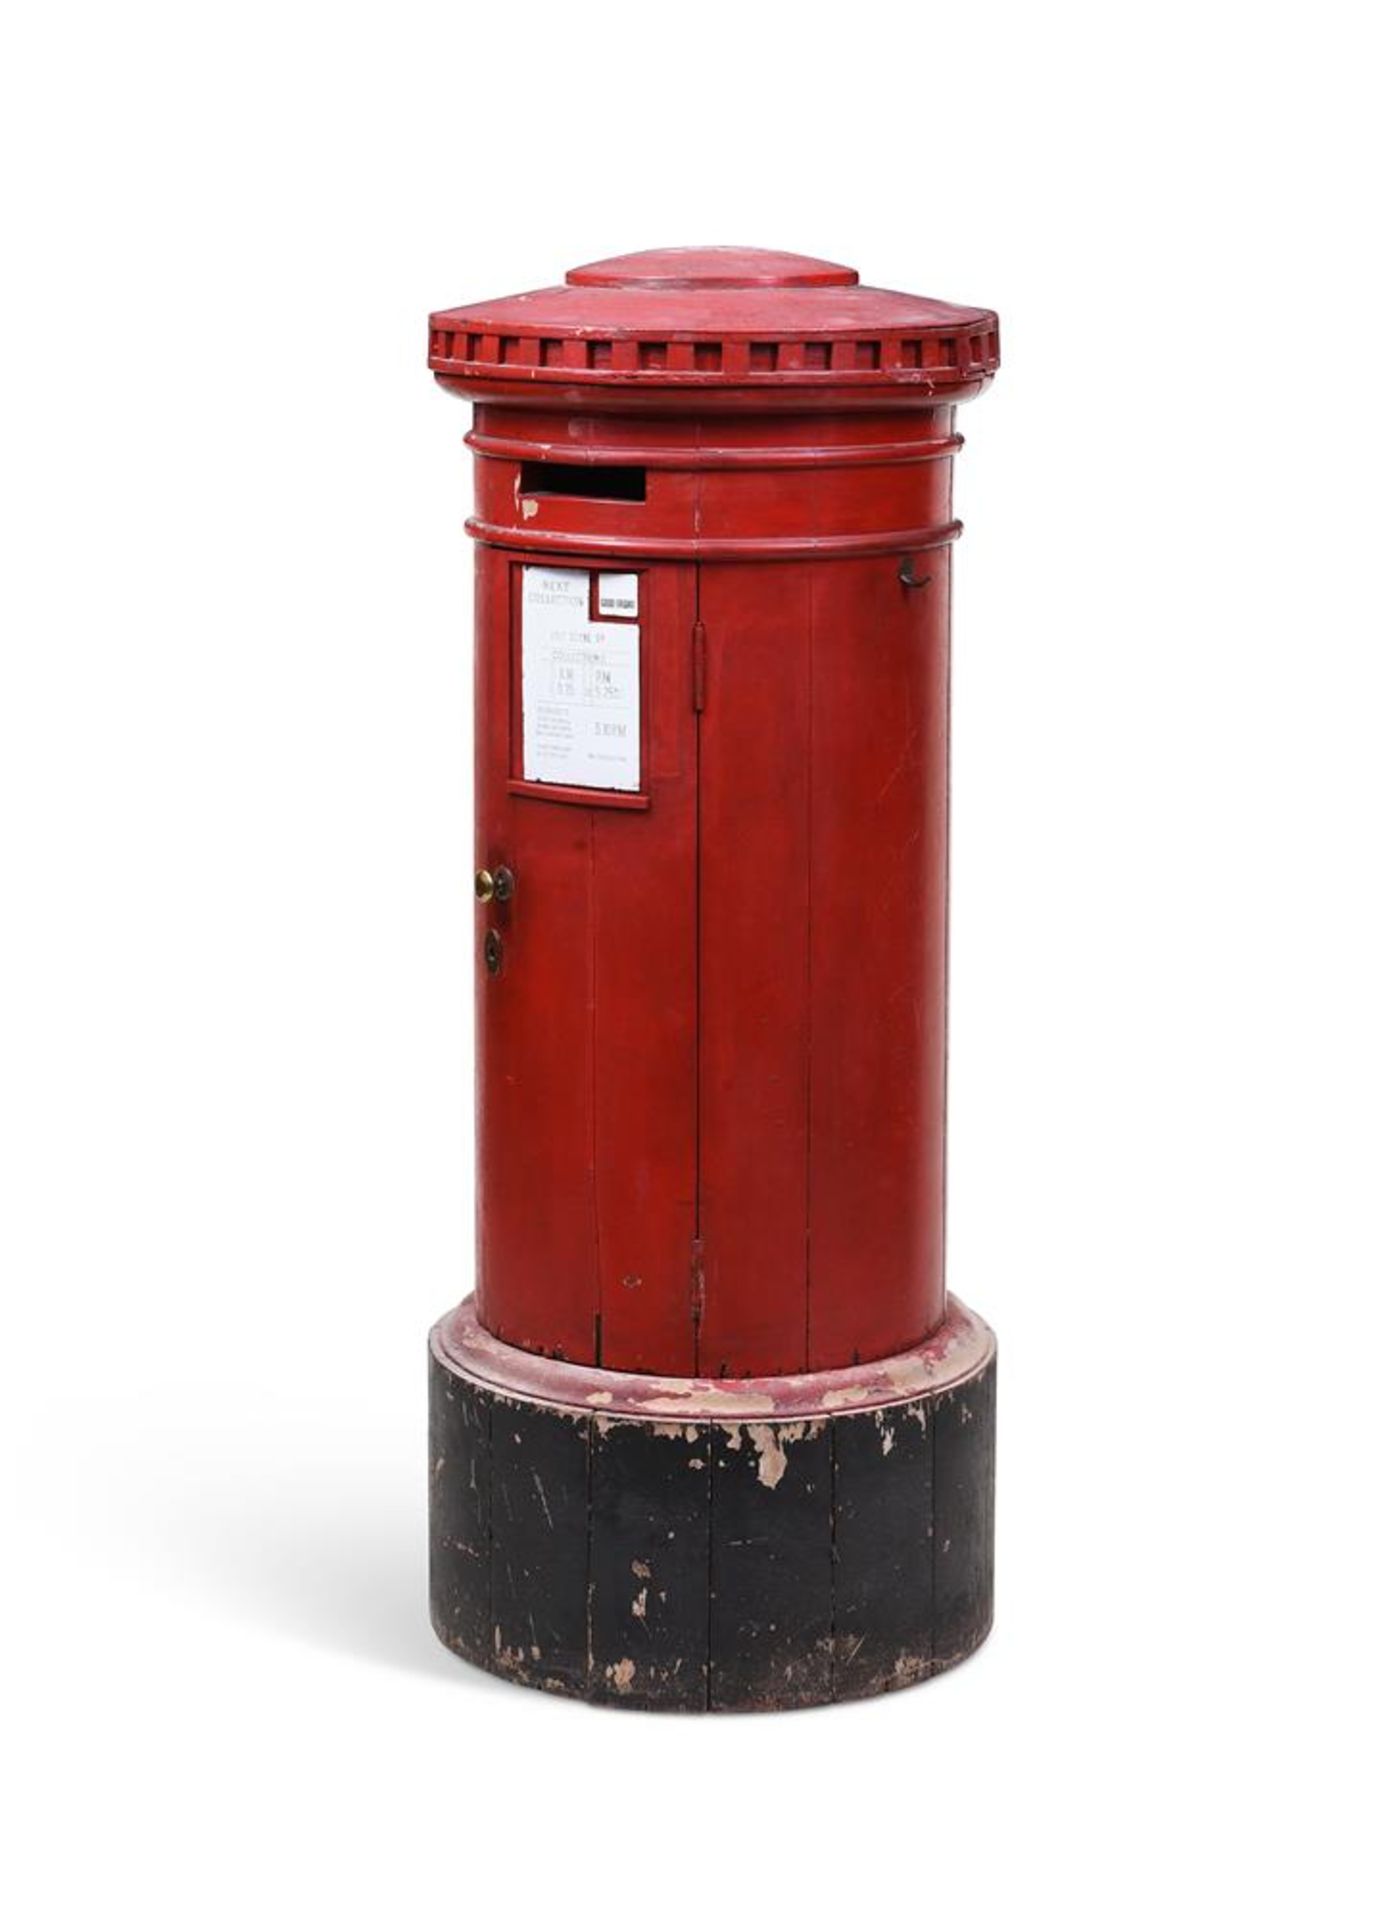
column 714, row 526
column 712, row 1056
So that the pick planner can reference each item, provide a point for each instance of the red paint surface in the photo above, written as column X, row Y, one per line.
column 712, row 1066
column 707, row 267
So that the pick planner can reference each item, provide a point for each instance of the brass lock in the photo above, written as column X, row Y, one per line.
column 498, row 885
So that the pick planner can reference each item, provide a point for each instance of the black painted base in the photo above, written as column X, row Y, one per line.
column 704, row 1560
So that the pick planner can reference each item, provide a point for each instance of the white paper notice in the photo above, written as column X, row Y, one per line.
column 618, row 595
column 581, row 686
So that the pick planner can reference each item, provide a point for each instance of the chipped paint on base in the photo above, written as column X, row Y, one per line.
column 712, row 1563
column 958, row 1349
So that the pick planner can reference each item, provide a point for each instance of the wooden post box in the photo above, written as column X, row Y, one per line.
column 710, row 1432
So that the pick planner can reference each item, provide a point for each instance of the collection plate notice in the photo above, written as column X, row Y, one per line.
column 581, row 686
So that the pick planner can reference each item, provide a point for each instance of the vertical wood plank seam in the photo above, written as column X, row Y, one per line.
column 933, row 1409
column 711, row 1431
column 592, row 919
column 491, row 1628
column 948, row 792
column 833, row 1553
column 809, row 953
column 590, row 1589
column 697, row 724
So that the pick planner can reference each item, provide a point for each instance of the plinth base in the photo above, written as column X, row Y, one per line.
column 712, row 1544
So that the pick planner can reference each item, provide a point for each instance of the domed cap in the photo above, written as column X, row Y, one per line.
column 690, row 267
column 716, row 317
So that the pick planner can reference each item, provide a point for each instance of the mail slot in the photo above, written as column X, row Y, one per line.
column 713, row 529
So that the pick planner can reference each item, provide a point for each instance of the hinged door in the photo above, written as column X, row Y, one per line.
column 587, row 1074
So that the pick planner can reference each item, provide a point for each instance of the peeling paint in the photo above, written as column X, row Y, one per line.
column 702, row 1397
column 838, row 1397
column 771, row 1462
column 535, row 1510
column 955, row 1353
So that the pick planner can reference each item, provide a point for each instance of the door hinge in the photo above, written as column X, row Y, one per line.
column 696, row 1276
column 700, row 666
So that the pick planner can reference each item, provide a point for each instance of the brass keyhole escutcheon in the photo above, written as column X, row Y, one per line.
column 498, row 885
column 494, row 953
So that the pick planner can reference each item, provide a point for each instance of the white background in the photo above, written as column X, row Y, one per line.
column 237, row 945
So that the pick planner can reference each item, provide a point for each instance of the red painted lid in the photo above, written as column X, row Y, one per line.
column 690, row 267
column 715, row 316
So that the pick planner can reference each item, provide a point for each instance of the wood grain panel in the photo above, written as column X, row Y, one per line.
column 754, row 890
column 878, row 864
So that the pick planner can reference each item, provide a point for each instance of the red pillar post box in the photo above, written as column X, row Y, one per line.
column 710, row 1433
